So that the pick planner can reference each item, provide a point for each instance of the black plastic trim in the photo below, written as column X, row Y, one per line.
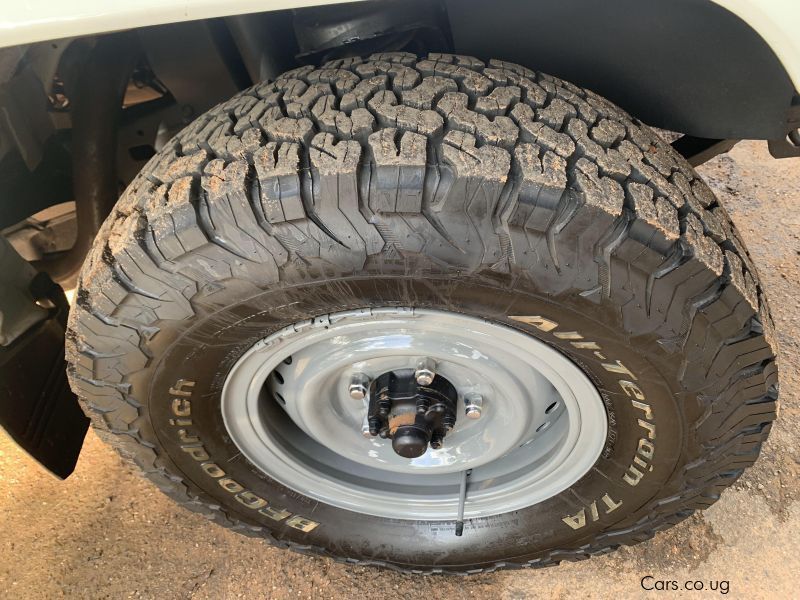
column 37, row 407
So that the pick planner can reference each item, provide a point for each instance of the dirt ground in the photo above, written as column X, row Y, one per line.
column 106, row 533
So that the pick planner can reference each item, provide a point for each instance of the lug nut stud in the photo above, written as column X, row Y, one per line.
column 359, row 386
column 426, row 371
column 473, row 406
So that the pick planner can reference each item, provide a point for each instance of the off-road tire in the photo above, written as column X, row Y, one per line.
column 447, row 183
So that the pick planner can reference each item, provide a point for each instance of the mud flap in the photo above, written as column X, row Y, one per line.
column 37, row 407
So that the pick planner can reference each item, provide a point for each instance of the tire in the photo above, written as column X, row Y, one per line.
column 440, row 183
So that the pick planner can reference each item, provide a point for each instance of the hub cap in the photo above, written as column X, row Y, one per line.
column 289, row 406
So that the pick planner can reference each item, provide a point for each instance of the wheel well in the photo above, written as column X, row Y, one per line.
column 687, row 65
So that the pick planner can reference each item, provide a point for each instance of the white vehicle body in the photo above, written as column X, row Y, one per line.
column 776, row 21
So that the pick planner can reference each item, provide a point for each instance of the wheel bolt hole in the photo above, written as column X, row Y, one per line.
column 543, row 426
column 288, row 360
column 280, row 399
column 551, row 408
column 278, row 377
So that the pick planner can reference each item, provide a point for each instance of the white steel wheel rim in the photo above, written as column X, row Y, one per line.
column 286, row 406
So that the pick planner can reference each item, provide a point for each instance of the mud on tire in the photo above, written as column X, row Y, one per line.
column 441, row 182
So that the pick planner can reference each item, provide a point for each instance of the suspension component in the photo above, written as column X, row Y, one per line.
column 411, row 415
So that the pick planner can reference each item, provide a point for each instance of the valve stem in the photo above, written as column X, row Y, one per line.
column 462, row 499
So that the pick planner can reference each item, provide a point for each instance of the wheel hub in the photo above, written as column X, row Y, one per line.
column 411, row 414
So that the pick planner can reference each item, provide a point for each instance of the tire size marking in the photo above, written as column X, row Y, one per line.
column 641, row 464
column 189, row 442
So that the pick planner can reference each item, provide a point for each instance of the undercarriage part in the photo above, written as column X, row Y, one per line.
column 34, row 158
column 37, row 408
column 48, row 184
column 699, row 150
column 18, row 308
column 412, row 410
column 143, row 129
column 48, row 231
column 327, row 32
column 789, row 145
column 265, row 41
column 21, row 128
column 96, row 108
column 183, row 54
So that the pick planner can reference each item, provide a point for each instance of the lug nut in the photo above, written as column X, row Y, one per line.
column 359, row 386
column 473, row 406
column 426, row 371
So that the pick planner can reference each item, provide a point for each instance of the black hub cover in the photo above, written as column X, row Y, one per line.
column 411, row 415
